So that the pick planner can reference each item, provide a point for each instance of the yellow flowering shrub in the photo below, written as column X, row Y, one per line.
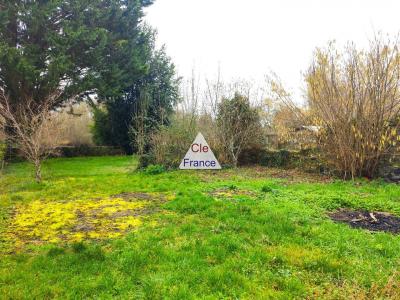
column 75, row 220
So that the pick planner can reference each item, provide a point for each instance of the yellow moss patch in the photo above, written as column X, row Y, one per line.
column 76, row 220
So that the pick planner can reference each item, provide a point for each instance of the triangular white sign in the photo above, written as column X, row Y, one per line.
column 199, row 156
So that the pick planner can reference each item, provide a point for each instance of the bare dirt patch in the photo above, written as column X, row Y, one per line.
column 373, row 221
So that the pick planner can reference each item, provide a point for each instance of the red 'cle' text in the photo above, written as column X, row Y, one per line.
column 199, row 148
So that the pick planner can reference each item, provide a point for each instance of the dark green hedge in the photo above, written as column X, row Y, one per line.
column 89, row 151
column 264, row 157
column 72, row 151
column 308, row 160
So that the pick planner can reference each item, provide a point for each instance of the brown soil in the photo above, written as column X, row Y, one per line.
column 373, row 221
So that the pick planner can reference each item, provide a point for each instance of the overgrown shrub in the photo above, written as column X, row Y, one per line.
column 154, row 169
column 145, row 160
column 207, row 126
column 170, row 144
column 281, row 158
column 238, row 126
column 353, row 106
column 289, row 125
column 354, row 96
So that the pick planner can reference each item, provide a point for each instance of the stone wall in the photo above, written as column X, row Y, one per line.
column 390, row 170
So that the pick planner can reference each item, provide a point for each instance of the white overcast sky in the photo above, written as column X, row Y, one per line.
column 249, row 38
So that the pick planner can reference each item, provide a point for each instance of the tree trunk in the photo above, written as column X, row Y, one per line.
column 8, row 131
column 235, row 163
column 234, row 158
column 38, row 171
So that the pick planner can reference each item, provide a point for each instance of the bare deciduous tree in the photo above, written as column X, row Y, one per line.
column 214, row 92
column 139, row 131
column 188, row 109
column 31, row 127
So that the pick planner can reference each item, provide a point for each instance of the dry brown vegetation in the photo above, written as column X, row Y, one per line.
column 75, row 124
column 230, row 119
column 355, row 98
column 354, row 101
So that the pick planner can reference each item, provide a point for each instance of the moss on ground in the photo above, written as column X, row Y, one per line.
column 73, row 221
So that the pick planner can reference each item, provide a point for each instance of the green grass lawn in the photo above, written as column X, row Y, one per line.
column 229, row 234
